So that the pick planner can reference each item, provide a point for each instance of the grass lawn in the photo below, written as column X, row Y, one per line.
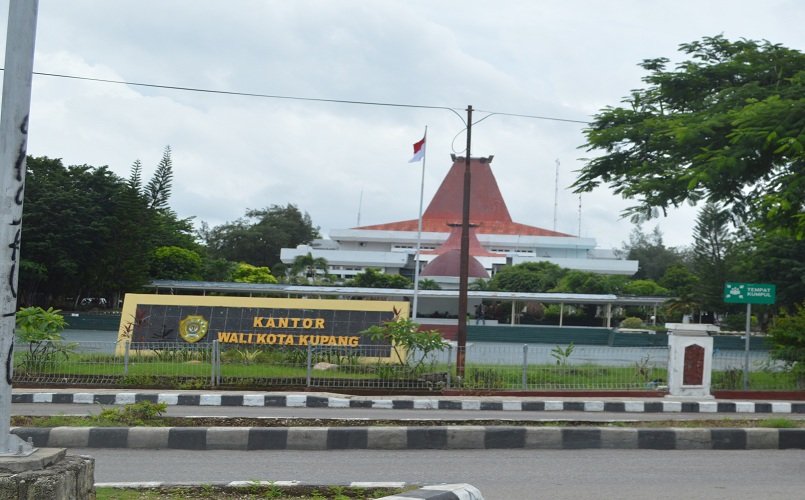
column 273, row 366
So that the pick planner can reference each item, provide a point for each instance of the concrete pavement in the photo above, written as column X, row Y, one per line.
column 400, row 437
column 466, row 403
column 436, row 437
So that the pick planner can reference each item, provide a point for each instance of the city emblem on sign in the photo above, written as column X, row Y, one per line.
column 193, row 328
column 734, row 292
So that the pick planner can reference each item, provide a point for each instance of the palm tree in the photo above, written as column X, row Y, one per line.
column 309, row 266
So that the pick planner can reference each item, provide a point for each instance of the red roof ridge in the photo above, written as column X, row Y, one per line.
column 488, row 209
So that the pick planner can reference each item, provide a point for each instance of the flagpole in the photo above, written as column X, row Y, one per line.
column 419, row 228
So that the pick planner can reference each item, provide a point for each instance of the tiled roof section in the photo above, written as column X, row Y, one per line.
column 487, row 208
column 449, row 264
column 487, row 227
column 486, row 202
column 453, row 242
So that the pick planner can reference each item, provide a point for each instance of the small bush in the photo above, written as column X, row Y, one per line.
column 135, row 414
column 632, row 322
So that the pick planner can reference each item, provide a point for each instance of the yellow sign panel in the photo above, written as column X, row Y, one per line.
column 158, row 319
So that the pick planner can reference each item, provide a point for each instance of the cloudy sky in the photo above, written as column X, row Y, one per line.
column 564, row 59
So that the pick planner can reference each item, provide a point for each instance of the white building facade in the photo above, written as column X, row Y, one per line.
column 497, row 241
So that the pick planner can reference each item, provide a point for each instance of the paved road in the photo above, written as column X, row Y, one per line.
column 500, row 474
column 376, row 413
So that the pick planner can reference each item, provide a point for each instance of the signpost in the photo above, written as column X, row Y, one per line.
column 748, row 293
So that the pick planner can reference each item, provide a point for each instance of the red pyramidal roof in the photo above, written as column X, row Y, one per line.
column 453, row 242
column 488, row 210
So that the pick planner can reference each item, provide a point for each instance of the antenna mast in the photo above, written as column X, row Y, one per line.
column 556, row 194
column 360, row 202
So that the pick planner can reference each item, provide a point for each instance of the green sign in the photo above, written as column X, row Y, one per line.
column 749, row 293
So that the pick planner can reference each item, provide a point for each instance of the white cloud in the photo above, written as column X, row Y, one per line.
column 564, row 59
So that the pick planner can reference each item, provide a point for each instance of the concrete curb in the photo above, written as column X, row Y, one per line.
column 467, row 404
column 461, row 491
column 413, row 438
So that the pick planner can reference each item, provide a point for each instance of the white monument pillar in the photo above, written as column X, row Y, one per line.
column 690, row 359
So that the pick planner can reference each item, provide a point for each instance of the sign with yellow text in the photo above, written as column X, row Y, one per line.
column 256, row 321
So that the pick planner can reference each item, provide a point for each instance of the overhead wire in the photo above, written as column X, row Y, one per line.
column 300, row 98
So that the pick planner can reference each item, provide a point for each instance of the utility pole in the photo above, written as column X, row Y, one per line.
column 464, row 262
column 16, row 105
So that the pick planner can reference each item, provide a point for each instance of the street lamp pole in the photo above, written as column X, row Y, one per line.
column 464, row 262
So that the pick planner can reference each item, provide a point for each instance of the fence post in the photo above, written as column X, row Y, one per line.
column 449, row 366
column 213, row 362
column 217, row 363
column 525, row 367
column 126, row 349
column 309, row 364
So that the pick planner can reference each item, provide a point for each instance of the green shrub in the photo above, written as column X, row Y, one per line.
column 631, row 322
column 132, row 415
column 42, row 330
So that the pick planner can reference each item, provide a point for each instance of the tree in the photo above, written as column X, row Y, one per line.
column 773, row 257
column 175, row 263
column 645, row 288
column 247, row 273
column 165, row 226
column 429, row 284
column 679, row 280
column 574, row 281
column 411, row 345
column 309, row 266
column 258, row 237
column 788, row 339
column 42, row 330
column 217, row 269
column 711, row 244
column 88, row 232
column 158, row 189
column 724, row 126
column 82, row 233
column 372, row 278
column 535, row 277
column 653, row 257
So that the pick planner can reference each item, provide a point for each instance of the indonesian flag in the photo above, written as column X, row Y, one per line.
column 419, row 151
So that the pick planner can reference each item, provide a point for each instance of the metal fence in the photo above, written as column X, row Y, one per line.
column 488, row 366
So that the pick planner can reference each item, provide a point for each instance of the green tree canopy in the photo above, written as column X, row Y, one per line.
column 258, row 237
column 372, row 278
column 429, row 284
column 653, row 257
column 645, row 288
column 247, row 273
column 89, row 233
column 309, row 267
column 788, row 339
column 535, row 277
column 724, row 126
column 679, row 280
column 574, row 281
column 773, row 257
column 176, row 263
column 84, row 232
column 712, row 244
